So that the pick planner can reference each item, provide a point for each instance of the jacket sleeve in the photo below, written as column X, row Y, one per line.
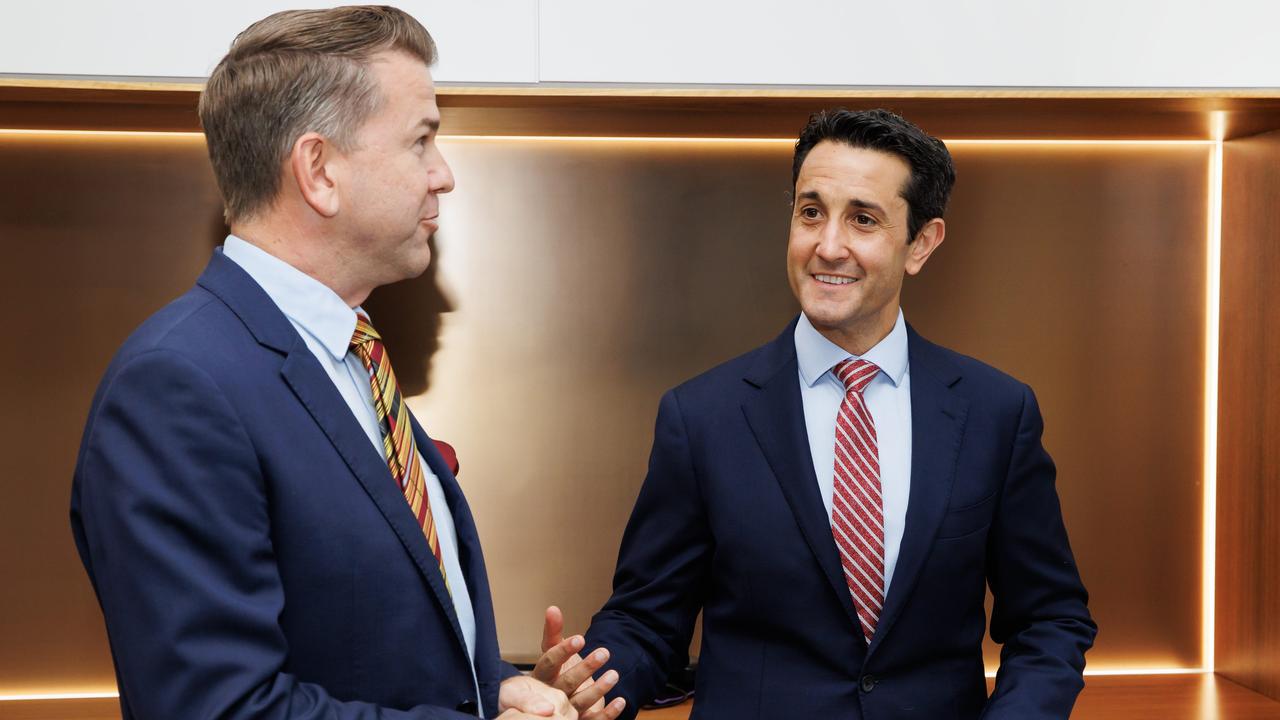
column 663, row 563
column 1040, row 613
column 170, row 512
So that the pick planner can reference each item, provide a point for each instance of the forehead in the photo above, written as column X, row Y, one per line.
column 405, row 83
column 840, row 172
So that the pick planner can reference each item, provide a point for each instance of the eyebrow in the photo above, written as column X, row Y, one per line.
column 432, row 125
column 854, row 203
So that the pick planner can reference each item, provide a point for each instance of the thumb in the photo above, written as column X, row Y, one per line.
column 552, row 628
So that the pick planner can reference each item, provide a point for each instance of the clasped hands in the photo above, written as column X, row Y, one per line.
column 561, row 685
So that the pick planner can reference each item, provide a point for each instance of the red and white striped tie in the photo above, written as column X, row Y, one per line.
column 857, row 507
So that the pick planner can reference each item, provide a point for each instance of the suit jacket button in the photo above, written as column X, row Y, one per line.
column 469, row 707
column 868, row 683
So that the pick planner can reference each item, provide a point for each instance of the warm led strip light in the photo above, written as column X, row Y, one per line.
column 104, row 133
column 643, row 139
column 1212, row 299
column 785, row 141
column 61, row 696
column 1118, row 672
column 1213, row 283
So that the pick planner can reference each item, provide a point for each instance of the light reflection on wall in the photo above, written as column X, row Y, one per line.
column 586, row 275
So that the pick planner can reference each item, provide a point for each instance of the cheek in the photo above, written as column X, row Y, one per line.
column 880, row 253
column 798, row 250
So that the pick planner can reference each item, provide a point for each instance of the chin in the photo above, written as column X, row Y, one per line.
column 827, row 312
column 416, row 269
column 418, row 260
column 827, row 321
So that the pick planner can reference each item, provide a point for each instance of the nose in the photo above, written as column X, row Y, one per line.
column 439, row 175
column 832, row 245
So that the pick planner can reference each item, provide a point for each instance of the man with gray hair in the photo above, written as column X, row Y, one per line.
column 269, row 532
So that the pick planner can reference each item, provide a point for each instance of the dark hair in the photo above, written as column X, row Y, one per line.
column 291, row 73
column 932, row 172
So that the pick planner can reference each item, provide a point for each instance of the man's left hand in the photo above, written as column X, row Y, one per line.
column 564, row 669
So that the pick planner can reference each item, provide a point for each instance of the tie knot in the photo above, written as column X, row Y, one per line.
column 855, row 374
column 364, row 332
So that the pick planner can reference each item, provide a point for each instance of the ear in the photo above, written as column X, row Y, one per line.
column 927, row 240
column 311, row 160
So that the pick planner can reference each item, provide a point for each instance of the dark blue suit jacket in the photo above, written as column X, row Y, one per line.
column 730, row 521
column 251, row 552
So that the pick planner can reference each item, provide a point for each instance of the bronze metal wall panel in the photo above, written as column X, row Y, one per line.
column 633, row 266
column 577, row 280
column 98, row 233
column 1248, row 570
column 1080, row 270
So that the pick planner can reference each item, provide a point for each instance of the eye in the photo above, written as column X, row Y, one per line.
column 864, row 220
column 809, row 213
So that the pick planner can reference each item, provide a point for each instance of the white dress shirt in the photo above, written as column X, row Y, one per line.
column 888, row 397
column 326, row 324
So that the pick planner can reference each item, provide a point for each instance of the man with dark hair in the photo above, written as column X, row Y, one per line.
column 269, row 532
column 836, row 502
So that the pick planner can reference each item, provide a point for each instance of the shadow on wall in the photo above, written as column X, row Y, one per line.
column 216, row 229
column 409, row 315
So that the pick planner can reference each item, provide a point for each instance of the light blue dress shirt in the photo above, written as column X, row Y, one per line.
column 326, row 324
column 888, row 397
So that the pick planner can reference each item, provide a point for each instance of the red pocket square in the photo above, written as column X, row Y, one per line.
column 450, row 455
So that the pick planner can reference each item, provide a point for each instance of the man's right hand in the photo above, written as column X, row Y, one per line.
column 523, row 697
column 514, row 714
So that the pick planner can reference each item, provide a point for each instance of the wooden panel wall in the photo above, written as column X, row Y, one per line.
column 1097, row 113
column 97, row 234
column 1080, row 270
column 1248, row 568
column 609, row 272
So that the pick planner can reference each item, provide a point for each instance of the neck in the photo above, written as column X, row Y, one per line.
column 306, row 249
column 859, row 340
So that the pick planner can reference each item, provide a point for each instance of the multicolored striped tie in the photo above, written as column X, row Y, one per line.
column 857, row 506
column 397, row 432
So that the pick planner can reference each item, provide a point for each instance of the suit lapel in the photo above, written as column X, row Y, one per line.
column 776, row 417
column 471, row 560
column 315, row 390
column 937, row 427
column 463, row 526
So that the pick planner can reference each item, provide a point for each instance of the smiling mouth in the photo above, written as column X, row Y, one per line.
column 834, row 279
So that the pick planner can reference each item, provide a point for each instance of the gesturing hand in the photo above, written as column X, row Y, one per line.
column 563, row 668
column 523, row 697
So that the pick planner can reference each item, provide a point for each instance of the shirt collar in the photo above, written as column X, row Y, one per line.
column 307, row 302
column 817, row 355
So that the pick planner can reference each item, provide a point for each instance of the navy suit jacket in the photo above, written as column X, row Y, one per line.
column 729, row 521
column 252, row 554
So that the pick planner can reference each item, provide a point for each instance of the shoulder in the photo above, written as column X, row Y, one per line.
column 192, row 361
column 982, row 384
column 726, row 385
column 194, row 335
column 196, row 325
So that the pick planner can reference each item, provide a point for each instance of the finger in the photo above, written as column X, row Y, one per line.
column 590, row 697
column 552, row 628
column 610, row 711
column 586, row 699
column 547, row 669
column 571, row 679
